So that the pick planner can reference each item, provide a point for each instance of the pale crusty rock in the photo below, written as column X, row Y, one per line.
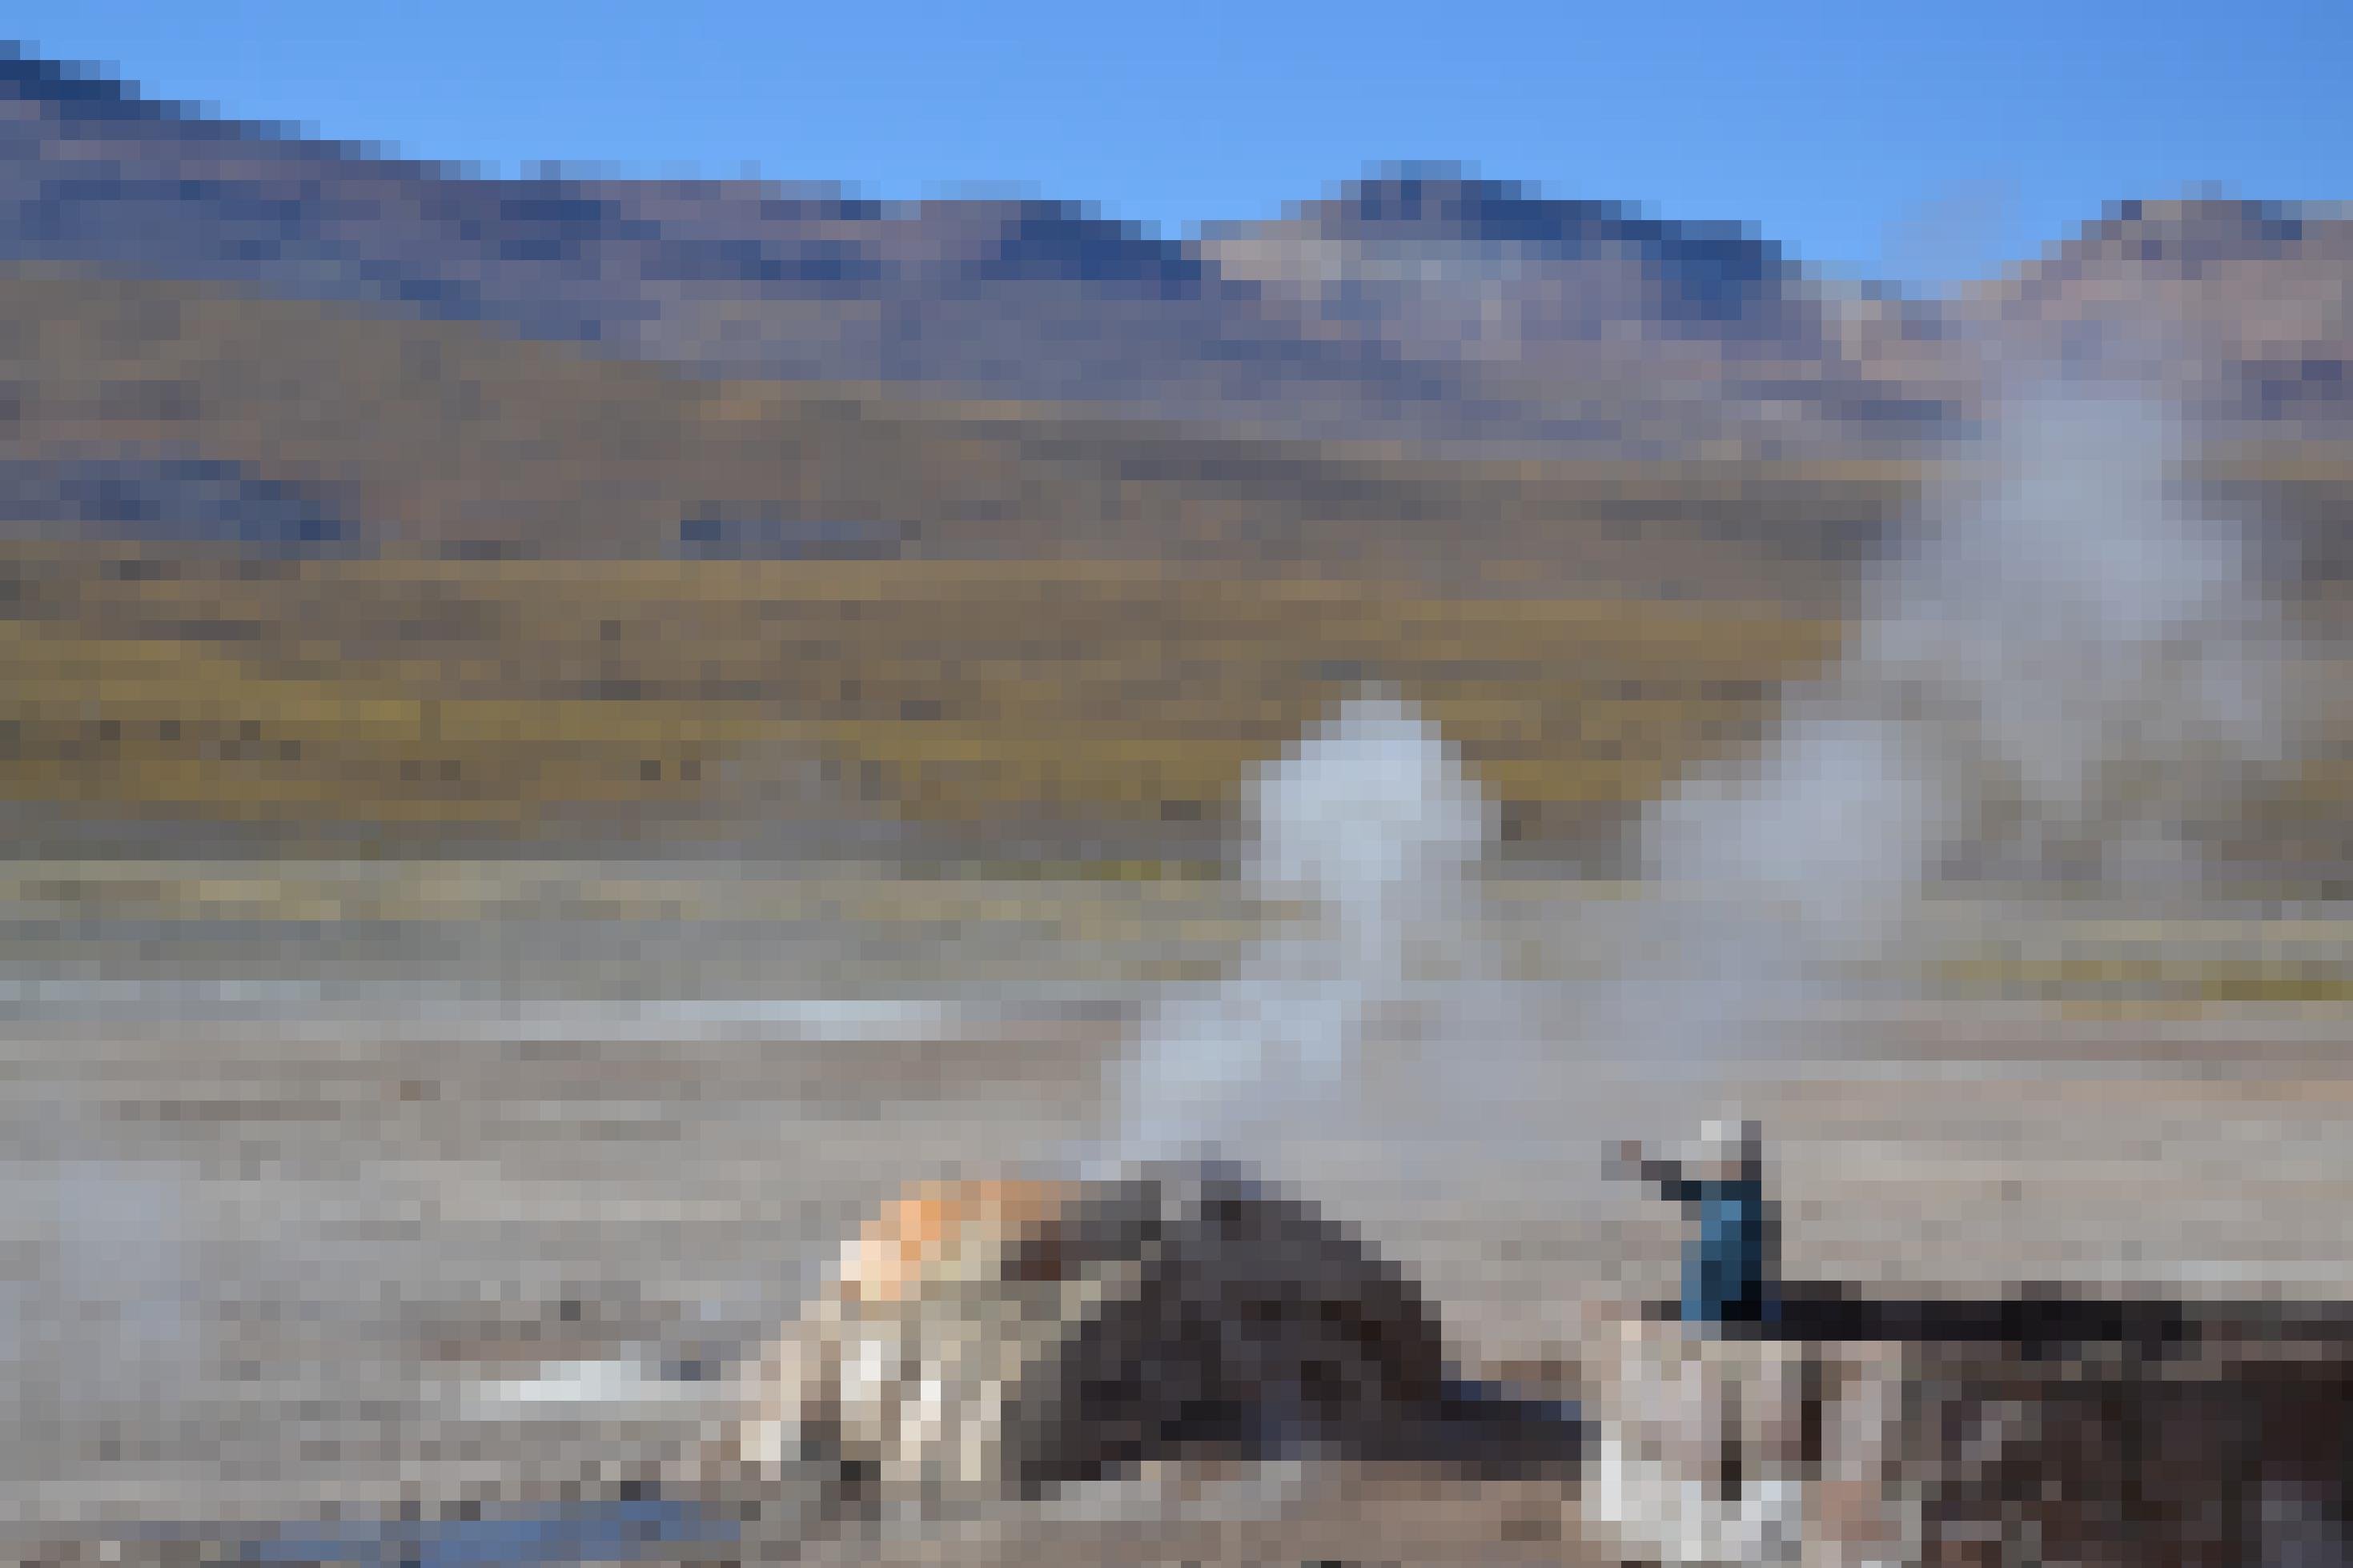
column 1720, row 1450
column 990, row 1339
column 2009, row 1433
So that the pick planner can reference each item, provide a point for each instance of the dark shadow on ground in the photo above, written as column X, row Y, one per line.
column 2041, row 1319
column 1487, row 1430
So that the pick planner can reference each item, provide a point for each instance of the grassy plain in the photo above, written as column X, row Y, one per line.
column 424, row 690
column 1094, row 620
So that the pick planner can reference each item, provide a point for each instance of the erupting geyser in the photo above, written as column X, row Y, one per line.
column 1371, row 827
column 2067, row 673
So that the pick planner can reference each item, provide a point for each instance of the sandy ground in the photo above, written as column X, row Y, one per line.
column 251, row 1276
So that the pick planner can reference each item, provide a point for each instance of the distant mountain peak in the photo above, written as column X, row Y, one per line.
column 2199, row 227
column 1434, row 200
column 71, row 86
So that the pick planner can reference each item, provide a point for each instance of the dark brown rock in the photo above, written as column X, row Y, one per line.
column 985, row 1340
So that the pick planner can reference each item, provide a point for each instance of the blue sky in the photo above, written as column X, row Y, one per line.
column 1919, row 141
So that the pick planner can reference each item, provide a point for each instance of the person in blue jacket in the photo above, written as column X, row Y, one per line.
column 1730, row 1266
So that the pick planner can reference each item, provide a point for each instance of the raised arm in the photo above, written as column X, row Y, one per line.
column 1629, row 1161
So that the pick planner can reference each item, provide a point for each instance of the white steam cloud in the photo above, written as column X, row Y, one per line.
column 2070, row 671
column 1371, row 825
column 2071, row 675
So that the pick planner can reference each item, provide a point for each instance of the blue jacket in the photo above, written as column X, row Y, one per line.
column 1725, row 1268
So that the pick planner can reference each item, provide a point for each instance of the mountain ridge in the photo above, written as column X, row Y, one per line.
column 1024, row 298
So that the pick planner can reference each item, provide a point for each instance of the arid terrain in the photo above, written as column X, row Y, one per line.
column 298, row 1276
column 562, row 738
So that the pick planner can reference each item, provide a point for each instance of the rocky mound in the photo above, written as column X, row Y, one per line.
column 995, row 1340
